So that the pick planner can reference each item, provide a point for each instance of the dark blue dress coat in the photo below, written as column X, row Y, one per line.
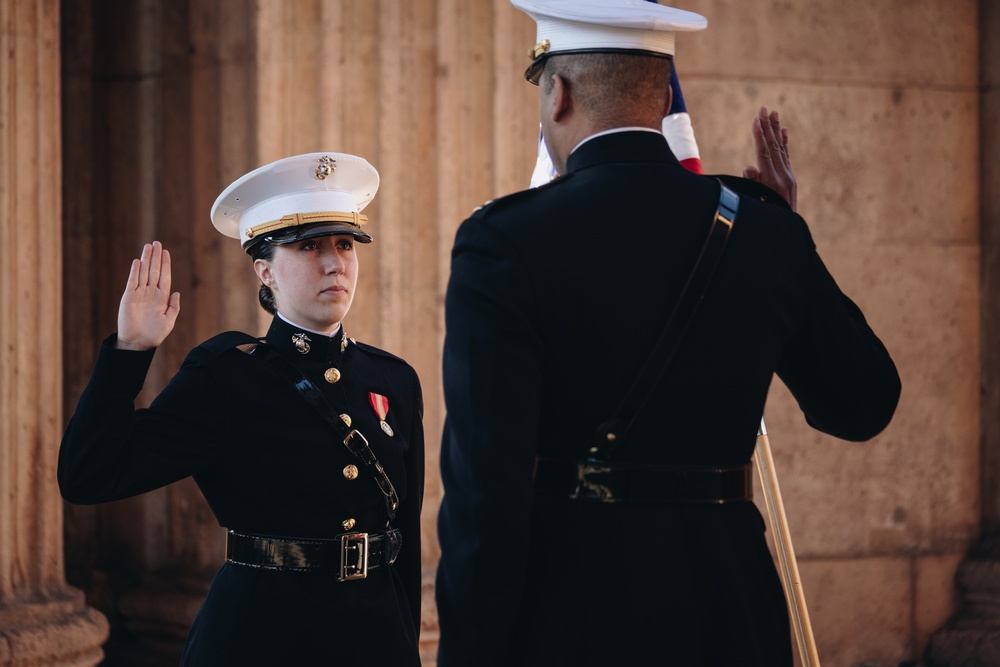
column 268, row 464
column 555, row 298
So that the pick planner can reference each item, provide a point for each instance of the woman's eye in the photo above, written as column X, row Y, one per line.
column 308, row 245
column 346, row 244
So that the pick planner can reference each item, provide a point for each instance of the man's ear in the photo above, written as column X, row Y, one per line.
column 562, row 100
column 670, row 101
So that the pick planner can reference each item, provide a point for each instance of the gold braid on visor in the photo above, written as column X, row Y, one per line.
column 297, row 219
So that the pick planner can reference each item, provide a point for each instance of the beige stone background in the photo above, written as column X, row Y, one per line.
column 121, row 120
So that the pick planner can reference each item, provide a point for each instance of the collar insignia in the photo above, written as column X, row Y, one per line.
column 301, row 342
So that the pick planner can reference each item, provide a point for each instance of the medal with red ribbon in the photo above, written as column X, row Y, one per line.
column 381, row 406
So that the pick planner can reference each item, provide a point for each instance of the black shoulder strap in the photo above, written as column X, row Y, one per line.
column 355, row 442
column 612, row 432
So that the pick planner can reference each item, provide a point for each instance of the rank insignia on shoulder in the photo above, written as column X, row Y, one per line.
column 380, row 404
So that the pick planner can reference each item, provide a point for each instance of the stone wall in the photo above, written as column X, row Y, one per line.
column 882, row 104
column 165, row 102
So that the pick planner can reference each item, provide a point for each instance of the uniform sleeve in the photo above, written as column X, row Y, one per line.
column 410, row 563
column 492, row 386
column 837, row 369
column 111, row 451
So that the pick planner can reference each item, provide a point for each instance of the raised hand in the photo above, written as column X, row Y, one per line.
column 148, row 310
column 773, row 169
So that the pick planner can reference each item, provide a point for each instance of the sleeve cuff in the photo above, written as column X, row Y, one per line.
column 121, row 371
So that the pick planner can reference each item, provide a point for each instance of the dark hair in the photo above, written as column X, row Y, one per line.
column 264, row 250
column 614, row 89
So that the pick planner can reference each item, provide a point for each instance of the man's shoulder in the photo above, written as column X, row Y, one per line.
column 516, row 201
column 751, row 189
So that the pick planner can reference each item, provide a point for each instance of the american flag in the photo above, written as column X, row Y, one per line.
column 678, row 131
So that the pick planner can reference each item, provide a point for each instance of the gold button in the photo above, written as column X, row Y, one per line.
column 348, row 524
column 332, row 375
column 346, row 418
column 351, row 471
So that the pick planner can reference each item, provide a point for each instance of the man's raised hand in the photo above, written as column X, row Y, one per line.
column 773, row 168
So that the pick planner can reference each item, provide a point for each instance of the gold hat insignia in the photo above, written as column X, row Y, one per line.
column 327, row 165
column 539, row 48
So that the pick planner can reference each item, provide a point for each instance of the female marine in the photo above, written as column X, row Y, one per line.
column 307, row 445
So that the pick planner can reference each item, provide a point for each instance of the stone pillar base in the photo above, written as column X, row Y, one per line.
column 61, row 631
column 972, row 637
column 972, row 646
column 159, row 616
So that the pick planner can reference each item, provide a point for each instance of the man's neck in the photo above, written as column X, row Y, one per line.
column 613, row 131
column 575, row 134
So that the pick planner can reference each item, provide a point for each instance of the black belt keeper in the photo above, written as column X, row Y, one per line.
column 350, row 555
column 641, row 484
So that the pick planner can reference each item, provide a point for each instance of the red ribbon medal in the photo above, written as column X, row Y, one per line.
column 380, row 404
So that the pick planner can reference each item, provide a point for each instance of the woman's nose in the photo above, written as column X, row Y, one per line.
column 333, row 262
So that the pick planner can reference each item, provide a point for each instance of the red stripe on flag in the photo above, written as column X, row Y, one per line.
column 692, row 164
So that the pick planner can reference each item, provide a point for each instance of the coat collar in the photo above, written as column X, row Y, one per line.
column 628, row 146
column 292, row 340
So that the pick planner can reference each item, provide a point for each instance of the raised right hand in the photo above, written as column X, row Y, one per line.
column 148, row 309
column 773, row 168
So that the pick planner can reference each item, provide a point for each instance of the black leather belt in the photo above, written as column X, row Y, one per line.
column 644, row 484
column 352, row 555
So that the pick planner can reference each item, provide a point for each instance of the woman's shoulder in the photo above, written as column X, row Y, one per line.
column 217, row 346
column 379, row 355
column 228, row 340
column 386, row 360
column 378, row 352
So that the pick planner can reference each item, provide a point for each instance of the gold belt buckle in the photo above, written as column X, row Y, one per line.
column 353, row 556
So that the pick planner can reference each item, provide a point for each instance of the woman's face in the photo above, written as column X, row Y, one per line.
column 313, row 280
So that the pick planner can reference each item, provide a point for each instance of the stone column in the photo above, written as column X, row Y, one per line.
column 43, row 621
column 972, row 637
column 159, row 103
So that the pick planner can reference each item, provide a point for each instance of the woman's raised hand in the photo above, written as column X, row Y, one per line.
column 148, row 309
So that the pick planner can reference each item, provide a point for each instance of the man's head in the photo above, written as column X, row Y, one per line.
column 601, row 64
column 604, row 26
column 613, row 89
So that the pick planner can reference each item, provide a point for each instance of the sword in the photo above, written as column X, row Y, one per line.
column 787, row 567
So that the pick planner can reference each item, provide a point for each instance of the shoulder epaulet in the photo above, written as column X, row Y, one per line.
column 516, row 197
column 752, row 189
column 371, row 349
column 230, row 339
